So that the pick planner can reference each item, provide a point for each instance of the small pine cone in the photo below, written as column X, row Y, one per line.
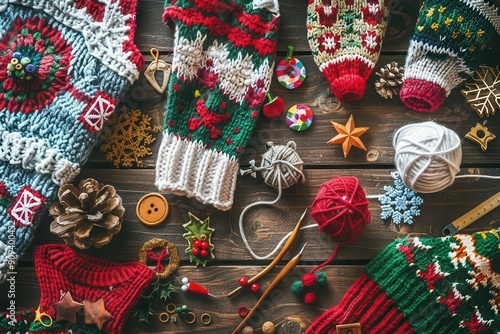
column 87, row 216
column 390, row 81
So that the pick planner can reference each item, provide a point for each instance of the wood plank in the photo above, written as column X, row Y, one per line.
column 266, row 226
column 282, row 303
column 151, row 32
column 383, row 117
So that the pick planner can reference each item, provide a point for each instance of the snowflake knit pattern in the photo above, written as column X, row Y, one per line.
column 447, row 36
column 221, row 72
column 60, row 269
column 63, row 65
column 345, row 37
column 425, row 285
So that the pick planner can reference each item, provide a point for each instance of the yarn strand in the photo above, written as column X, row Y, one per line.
column 330, row 259
column 280, row 171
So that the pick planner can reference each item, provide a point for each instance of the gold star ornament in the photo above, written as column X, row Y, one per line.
column 348, row 136
column 95, row 313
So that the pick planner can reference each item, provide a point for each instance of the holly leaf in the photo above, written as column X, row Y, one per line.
column 164, row 291
column 199, row 230
column 483, row 95
column 143, row 314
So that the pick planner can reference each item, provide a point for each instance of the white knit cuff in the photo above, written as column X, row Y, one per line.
column 445, row 72
column 189, row 169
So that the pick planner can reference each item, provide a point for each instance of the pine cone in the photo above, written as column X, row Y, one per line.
column 87, row 216
column 390, row 81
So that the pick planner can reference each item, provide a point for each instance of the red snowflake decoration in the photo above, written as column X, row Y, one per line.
column 372, row 14
column 329, row 42
column 370, row 41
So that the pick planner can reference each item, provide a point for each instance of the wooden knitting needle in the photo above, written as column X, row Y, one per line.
column 282, row 274
column 285, row 271
column 278, row 257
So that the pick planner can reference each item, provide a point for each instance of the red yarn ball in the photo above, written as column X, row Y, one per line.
column 310, row 297
column 341, row 209
column 309, row 280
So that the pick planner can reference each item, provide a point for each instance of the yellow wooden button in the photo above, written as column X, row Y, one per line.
column 152, row 209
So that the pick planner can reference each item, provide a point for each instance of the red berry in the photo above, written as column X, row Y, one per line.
column 310, row 298
column 195, row 251
column 254, row 287
column 204, row 252
column 204, row 245
column 196, row 243
column 242, row 281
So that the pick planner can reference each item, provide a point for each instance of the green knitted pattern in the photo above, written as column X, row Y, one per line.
column 468, row 28
column 221, row 71
column 443, row 285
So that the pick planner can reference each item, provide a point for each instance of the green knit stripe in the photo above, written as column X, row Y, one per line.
column 468, row 28
column 399, row 280
column 420, row 277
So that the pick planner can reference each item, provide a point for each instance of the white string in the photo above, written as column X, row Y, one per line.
column 493, row 177
column 480, row 176
column 274, row 171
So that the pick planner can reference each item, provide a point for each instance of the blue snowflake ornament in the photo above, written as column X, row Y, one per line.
column 399, row 203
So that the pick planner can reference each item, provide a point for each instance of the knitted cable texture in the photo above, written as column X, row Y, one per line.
column 59, row 268
column 221, row 72
column 345, row 37
column 63, row 65
column 425, row 285
column 447, row 37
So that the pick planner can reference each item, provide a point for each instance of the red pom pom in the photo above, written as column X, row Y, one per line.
column 341, row 209
column 274, row 107
column 309, row 280
column 310, row 298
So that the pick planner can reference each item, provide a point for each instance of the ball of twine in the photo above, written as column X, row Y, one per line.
column 281, row 165
column 427, row 157
column 341, row 209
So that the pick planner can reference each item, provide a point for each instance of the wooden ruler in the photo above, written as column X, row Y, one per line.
column 460, row 223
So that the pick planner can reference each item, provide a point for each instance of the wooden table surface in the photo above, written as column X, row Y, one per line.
column 265, row 226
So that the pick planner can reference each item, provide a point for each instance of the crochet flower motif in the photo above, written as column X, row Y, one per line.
column 47, row 50
column 399, row 203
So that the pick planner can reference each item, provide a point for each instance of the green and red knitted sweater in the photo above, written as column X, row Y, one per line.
column 425, row 285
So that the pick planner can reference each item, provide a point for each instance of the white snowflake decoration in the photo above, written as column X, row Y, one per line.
column 399, row 203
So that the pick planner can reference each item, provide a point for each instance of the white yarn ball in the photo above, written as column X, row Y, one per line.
column 428, row 156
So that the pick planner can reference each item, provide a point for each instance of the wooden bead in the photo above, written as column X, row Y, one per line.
column 268, row 328
column 247, row 330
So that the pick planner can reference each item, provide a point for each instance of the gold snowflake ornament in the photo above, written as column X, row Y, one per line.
column 483, row 95
column 128, row 138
